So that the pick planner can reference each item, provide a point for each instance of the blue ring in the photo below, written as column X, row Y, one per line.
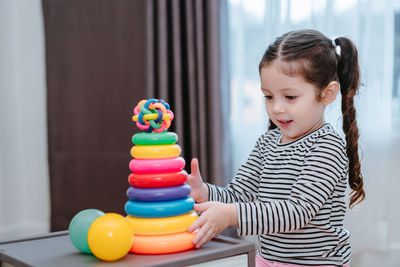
column 148, row 102
column 159, row 209
column 164, row 103
column 158, row 193
column 159, row 117
column 143, row 111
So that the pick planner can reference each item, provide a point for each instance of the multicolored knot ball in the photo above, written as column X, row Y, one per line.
column 153, row 115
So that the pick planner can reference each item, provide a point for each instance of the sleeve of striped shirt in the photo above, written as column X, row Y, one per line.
column 324, row 165
column 244, row 188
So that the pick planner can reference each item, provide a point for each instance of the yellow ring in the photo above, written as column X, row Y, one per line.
column 152, row 116
column 162, row 226
column 156, row 152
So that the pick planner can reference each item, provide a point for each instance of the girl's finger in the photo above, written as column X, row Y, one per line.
column 202, row 206
column 194, row 166
column 197, row 224
column 204, row 238
column 199, row 236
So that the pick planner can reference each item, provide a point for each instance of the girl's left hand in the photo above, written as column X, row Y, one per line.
column 215, row 217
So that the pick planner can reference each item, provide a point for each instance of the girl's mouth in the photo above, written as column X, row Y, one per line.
column 285, row 124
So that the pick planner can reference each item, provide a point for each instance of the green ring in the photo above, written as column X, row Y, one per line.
column 145, row 110
column 148, row 139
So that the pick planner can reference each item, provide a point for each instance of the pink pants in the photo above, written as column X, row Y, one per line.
column 261, row 262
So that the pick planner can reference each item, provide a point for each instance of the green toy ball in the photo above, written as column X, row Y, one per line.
column 79, row 227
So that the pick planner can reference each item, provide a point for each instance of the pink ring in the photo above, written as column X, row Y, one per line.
column 157, row 165
column 143, row 127
column 161, row 129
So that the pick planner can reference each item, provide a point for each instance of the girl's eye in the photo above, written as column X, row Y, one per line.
column 291, row 97
column 268, row 97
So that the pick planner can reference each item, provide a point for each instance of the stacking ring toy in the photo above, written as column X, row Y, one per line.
column 157, row 165
column 150, row 139
column 162, row 244
column 157, row 179
column 159, row 209
column 161, row 226
column 158, row 193
column 153, row 115
column 156, row 152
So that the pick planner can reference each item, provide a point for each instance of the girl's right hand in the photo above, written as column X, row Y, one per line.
column 199, row 190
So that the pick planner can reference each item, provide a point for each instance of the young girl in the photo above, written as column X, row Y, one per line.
column 291, row 190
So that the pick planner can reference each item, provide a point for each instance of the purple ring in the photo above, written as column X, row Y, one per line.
column 158, row 193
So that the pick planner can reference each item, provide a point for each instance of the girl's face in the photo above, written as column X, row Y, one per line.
column 291, row 103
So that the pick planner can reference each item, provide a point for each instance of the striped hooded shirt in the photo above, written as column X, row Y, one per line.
column 292, row 196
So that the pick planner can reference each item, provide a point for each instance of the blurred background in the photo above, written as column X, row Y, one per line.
column 72, row 71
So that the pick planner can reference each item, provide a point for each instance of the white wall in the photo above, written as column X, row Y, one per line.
column 24, row 181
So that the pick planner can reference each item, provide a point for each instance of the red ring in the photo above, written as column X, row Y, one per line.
column 157, row 179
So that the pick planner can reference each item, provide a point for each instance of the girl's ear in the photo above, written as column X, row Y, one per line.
column 330, row 92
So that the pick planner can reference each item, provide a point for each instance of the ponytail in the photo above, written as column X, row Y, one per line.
column 349, row 78
column 271, row 125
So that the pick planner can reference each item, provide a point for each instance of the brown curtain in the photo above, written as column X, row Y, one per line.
column 187, row 61
column 95, row 53
column 103, row 57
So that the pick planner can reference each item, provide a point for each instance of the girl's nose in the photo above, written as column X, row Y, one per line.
column 278, row 107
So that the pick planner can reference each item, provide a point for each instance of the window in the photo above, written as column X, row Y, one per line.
column 396, row 71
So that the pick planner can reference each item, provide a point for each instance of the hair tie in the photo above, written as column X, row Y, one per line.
column 336, row 47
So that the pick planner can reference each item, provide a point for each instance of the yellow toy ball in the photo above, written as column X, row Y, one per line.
column 110, row 237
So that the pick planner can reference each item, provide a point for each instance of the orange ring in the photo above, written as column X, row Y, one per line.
column 158, row 105
column 162, row 244
column 157, row 179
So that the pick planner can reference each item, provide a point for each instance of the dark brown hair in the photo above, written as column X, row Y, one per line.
column 312, row 55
